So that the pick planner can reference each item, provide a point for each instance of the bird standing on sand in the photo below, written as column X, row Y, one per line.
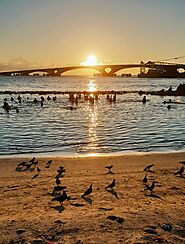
column 48, row 164
column 58, row 182
column 109, row 167
column 180, row 171
column 151, row 187
column 32, row 160
column 182, row 162
column 59, row 188
column 87, row 192
column 38, row 170
column 111, row 185
column 60, row 198
column 145, row 179
column 148, row 167
column 22, row 164
column 35, row 162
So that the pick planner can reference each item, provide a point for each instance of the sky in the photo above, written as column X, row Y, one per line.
column 49, row 33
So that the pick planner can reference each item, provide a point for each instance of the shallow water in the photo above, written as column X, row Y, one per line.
column 124, row 126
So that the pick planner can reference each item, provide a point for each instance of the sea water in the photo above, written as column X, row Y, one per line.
column 127, row 125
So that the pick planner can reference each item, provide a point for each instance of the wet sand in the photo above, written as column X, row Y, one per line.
column 128, row 214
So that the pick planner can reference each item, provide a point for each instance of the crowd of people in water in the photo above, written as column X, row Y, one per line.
column 74, row 99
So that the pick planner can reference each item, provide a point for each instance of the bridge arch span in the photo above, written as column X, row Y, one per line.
column 71, row 69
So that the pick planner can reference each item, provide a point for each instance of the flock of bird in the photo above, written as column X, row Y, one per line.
column 59, row 192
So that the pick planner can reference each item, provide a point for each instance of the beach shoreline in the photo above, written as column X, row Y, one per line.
column 129, row 214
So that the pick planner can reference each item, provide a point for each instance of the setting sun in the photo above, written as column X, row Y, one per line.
column 91, row 60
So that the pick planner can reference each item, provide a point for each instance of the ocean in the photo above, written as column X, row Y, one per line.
column 124, row 126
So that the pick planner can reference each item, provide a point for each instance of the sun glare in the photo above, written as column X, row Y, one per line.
column 91, row 60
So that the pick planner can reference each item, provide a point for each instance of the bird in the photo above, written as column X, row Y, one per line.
column 150, row 187
column 35, row 162
column 87, row 192
column 48, row 164
column 28, row 166
column 61, row 167
column 182, row 162
column 22, row 164
column 180, row 171
column 38, row 170
column 111, row 185
column 59, row 188
column 145, row 179
column 61, row 198
column 32, row 160
column 58, row 182
column 60, row 171
column 148, row 167
column 109, row 167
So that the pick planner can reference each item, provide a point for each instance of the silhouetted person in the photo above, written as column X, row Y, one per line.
column 48, row 98
column 87, row 192
column 19, row 99
column 6, row 107
column 17, row 110
column 144, row 99
column 169, row 107
column 111, row 185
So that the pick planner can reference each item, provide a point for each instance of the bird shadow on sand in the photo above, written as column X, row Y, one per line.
column 114, row 193
column 20, row 169
column 35, row 176
column 153, row 195
column 88, row 200
column 60, row 209
column 181, row 176
column 110, row 172
column 77, row 204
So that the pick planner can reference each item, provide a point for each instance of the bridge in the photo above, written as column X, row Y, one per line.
column 154, row 69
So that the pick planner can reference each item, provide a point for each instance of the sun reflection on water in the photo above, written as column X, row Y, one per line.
column 92, row 131
column 91, row 86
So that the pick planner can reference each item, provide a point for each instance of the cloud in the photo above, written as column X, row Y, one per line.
column 18, row 63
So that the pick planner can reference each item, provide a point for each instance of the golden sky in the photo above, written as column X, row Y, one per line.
column 42, row 33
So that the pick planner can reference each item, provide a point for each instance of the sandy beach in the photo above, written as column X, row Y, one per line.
column 126, row 214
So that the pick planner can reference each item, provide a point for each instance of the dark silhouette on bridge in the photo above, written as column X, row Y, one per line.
column 149, row 69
